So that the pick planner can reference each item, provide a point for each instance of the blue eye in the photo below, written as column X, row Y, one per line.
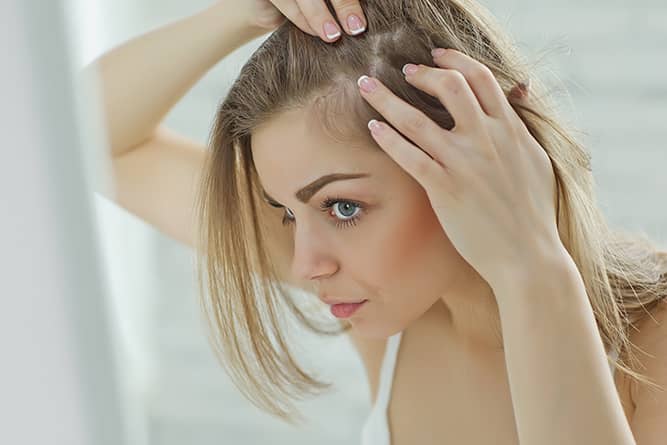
column 346, row 213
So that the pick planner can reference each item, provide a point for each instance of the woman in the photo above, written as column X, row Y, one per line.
column 469, row 235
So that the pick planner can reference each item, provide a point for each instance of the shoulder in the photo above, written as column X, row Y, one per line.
column 371, row 352
column 650, row 405
column 651, row 330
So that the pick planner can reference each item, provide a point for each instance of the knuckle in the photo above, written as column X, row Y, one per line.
column 482, row 73
column 423, row 167
column 452, row 80
column 415, row 123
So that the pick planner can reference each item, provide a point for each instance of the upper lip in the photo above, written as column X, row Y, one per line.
column 331, row 301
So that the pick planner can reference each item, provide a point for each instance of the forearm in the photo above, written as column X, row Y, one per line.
column 562, row 388
column 141, row 80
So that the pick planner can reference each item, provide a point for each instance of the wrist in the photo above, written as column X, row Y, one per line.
column 550, row 267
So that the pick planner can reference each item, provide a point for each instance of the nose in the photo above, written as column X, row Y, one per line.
column 312, row 258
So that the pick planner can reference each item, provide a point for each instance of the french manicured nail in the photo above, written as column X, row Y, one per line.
column 437, row 52
column 355, row 25
column 366, row 83
column 331, row 30
column 409, row 68
column 374, row 126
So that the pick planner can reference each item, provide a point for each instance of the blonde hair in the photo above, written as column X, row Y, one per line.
column 242, row 298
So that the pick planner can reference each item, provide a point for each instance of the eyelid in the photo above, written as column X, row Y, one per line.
column 327, row 204
column 272, row 203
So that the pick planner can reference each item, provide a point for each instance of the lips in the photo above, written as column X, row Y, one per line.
column 345, row 310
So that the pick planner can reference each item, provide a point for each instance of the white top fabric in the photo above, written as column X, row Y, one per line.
column 375, row 430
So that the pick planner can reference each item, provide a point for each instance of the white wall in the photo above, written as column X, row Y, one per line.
column 58, row 376
column 126, row 243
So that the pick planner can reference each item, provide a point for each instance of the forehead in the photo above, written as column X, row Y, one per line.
column 293, row 147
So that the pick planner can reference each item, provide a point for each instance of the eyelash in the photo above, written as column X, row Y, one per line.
column 327, row 204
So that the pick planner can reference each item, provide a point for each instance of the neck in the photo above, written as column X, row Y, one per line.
column 468, row 314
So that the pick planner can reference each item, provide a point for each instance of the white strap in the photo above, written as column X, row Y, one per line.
column 387, row 370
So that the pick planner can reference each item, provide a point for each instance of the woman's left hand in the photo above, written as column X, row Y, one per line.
column 489, row 181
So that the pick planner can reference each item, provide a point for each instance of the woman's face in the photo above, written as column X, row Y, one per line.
column 394, row 251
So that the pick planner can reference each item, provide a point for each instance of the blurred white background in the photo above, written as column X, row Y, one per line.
column 610, row 54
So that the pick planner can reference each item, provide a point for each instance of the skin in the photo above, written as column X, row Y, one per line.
column 447, row 387
column 455, row 300
column 396, row 255
column 399, row 257
column 311, row 16
column 384, row 273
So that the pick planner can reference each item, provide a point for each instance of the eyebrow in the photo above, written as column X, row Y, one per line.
column 306, row 193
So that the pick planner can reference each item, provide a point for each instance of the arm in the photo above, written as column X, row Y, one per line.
column 562, row 390
column 154, row 171
column 143, row 79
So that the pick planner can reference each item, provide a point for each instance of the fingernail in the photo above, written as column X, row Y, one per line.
column 437, row 52
column 366, row 83
column 355, row 24
column 331, row 30
column 409, row 68
column 526, row 84
column 374, row 126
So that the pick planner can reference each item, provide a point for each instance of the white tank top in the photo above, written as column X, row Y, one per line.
column 375, row 430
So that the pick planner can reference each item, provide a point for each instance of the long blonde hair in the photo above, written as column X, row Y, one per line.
column 242, row 298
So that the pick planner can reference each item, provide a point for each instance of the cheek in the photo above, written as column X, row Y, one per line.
column 410, row 250
column 408, row 264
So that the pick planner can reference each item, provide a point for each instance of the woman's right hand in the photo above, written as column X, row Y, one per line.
column 311, row 16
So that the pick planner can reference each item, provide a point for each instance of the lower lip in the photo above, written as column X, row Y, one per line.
column 345, row 310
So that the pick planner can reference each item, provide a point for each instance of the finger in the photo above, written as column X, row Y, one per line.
column 419, row 165
column 291, row 10
column 480, row 78
column 319, row 18
column 408, row 120
column 350, row 15
column 452, row 90
column 519, row 93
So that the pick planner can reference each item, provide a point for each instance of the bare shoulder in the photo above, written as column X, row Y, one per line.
column 653, row 326
column 650, row 337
